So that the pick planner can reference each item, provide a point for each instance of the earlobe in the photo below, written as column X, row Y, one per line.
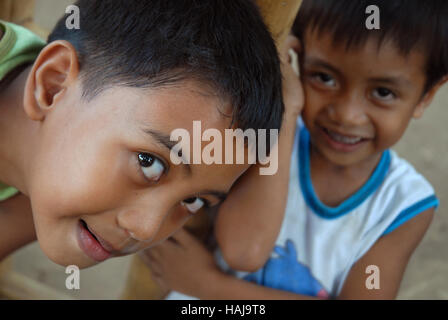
column 419, row 110
column 54, row 70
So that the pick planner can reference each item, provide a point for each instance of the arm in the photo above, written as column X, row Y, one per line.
column 183, row 264
column 249, row 220
column 391, row 254
column 16, row 224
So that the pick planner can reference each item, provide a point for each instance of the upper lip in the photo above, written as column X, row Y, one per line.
column 342, row 133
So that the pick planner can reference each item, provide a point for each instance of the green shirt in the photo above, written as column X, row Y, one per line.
column 17, row 46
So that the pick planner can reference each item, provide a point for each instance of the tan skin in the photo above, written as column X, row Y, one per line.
column 257, row 202
column 350, row 100
column 75, row 159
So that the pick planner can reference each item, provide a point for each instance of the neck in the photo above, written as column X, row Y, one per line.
column 16, row 134
column 361, row 170
column 335, row 183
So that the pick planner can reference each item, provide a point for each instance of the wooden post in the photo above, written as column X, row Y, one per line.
column 21, row 12
column 17, row 11
column 14, row 285
column 279, row 17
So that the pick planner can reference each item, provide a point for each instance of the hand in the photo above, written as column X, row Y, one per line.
column 292, row 87
column 181, row 263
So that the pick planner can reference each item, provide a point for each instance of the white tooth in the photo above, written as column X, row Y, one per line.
column 344, row 139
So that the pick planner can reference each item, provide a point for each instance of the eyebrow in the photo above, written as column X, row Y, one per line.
column 165, row 141
column 398, row 81
column 321, row 63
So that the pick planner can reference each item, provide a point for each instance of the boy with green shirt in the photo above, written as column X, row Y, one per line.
column 85, row 121
column 17, row 46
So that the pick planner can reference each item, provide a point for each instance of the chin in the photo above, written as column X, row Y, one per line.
column 65, row 260
column 64, row 254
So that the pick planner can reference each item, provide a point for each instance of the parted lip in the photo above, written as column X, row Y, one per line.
column 343, row 133
column 105, row 244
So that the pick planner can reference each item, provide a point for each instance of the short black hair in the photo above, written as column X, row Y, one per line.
column 409, row 24
column 154, row 43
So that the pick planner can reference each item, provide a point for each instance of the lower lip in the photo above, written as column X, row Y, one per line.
column 91, row 247
column 339, row 146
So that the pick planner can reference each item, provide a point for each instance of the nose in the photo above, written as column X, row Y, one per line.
column 348, row 111
column 142, row 224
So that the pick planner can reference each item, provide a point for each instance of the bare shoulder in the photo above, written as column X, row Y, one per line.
column 390, row 254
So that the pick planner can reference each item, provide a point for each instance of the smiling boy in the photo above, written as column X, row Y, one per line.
column 85, row 121
column 352, row 202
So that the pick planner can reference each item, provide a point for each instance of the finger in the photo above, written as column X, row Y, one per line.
column 294, row 43
column 160, row 282
column 183, row 237
column 162, row 249
column 156, row 271
column 146, row 259
column 152, row 253
column 153, row 264
column 291, row 42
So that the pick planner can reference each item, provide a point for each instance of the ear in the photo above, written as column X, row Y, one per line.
column 291, row 42
column 427, row 98
column 54, row 70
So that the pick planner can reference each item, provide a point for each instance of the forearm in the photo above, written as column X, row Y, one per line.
column 225, row 287
column 16, row 225
column 250, row 219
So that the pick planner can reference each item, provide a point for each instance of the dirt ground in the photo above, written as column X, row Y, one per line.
column 425, row 145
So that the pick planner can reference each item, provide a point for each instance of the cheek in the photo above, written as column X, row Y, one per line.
column 77, row 181
column 177, row 218
column 390, row 128
column 313, row 103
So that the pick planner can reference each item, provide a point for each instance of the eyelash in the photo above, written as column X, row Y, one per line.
column 394, row 95
column 317, row 76
column 206, row 205
column 140, row 158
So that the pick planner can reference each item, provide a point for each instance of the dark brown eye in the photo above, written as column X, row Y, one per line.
column 190, row 200
column 145, row 159
column 324, row 79
column 193, row 204
column 152, row 167
column 383, row 94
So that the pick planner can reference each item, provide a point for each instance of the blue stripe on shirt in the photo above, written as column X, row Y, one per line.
column 412, row 211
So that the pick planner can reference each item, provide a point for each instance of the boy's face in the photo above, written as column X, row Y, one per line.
column 359, row 101
column 103, row 167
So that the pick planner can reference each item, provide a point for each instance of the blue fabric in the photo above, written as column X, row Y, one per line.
column 286, row 273
column 409, row 213
column 349, row 204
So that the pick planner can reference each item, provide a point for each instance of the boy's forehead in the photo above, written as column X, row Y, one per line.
column 373, row 57
column 168, row 107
